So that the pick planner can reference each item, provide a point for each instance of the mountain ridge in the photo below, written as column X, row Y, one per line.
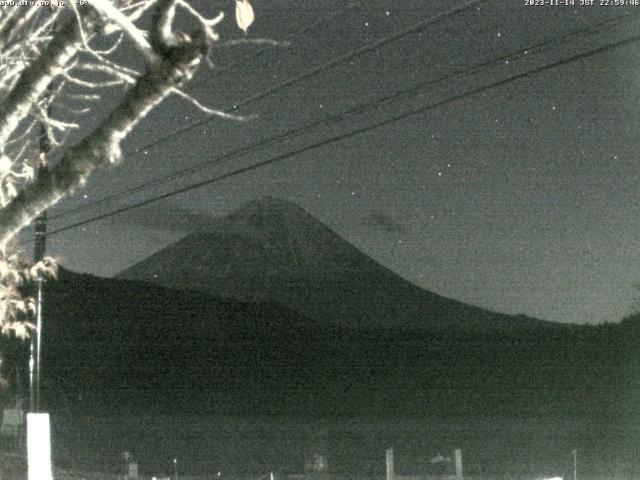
column 129, row 344
column 273, row 250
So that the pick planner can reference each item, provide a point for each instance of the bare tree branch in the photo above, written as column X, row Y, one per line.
column 102, row 146
column 35, row 79
column 210, row 111
column 130, row 30
column 50, row 75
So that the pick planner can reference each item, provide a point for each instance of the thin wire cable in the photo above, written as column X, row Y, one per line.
column 352, row 133
column 530, row 49
column 414, row 28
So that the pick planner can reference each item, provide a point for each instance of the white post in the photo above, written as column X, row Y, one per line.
column 390, row 464
column 132, row 471
column 575, row 463
column 458, row 455
column 39, row 446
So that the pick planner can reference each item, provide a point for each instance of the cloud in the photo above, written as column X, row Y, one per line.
column 385, row 221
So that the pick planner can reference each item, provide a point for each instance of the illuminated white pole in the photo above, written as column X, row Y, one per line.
column 390, row 472
column 39, row 446
column 458, row 457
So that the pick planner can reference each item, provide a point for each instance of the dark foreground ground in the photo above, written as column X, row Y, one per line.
column 251, row 447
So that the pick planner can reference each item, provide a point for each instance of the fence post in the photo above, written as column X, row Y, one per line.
column 132, row 471
column 390, row 472
column 458, row 455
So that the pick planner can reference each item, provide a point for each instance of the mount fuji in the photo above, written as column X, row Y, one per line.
column 271, row 250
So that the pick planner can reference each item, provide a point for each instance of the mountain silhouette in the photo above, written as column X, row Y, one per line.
column 272, row 250
column 129, row 345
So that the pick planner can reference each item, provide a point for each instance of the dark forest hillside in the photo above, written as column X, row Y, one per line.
column 115, row 342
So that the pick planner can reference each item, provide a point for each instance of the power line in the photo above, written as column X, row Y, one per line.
column 416, row 27
column 530, row 49
column 355, row 132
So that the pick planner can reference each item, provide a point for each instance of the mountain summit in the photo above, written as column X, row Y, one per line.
column 272, row 250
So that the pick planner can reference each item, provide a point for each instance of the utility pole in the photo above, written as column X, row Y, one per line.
column 40, row 224
column 38, row 424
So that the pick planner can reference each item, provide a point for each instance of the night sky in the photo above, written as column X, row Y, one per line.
column 520, row 198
